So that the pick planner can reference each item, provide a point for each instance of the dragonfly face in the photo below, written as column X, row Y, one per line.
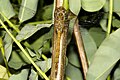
column 60, row 16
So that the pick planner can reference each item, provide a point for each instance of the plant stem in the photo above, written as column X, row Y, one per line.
column 17, row 29
column 44, row 57
column 10, row 24
column 23, row 50
column 110, row 17
column 66, row 4
column 80, row 47
column 108, row 78
column 4, row 58
column 67, row 78
column 41, row 22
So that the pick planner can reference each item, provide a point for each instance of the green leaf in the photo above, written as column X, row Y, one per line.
column 103, row 24
column 42, row 39
column 92, row 5
column 73, row 73
column 116, row 6
column 116, row 23
column 70, row 30
column 33, row 75
column 27, row 9
column 117, row 74
column 98, row 35
column 21, row 76
column 3, row 73
column 75, row 6
column 89, row 44
column 105, row 58
column 44, row 65
column 18, row 60
column 46, row 47
column 28, row 30
column 47, row 12
column 73, row 56
column 6, row 8
column 32, row 54
column 8, row 46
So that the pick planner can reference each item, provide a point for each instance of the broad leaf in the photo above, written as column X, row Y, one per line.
column 40, row 40
column 18, row 60
column 98, row 35
column 6, row 8
column 116, row 6
column 21, row 76
column 92, row 5
column 3, row 73
column 75, row 6
column 8, row 46
column 46, row 47
column 32, row 54
column 28, row 30
column 73, row 72
column 116, row 23
column 33, row 75
column 44, row 65
column 27, row 9
column 117, row 74
column 70, row 30
column 47, row 12
column 89, row 44
column 103, row 24
column 105, row 58
column 73, row 56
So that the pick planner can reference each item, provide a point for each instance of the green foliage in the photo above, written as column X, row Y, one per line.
column 8, row 45
column 27, row 9
column 73, row 57
column 92, row 5
column 75, row 6
column 105, row 57
column 31, row 27
column 18, row 60
column 116, row 8
column 3, row 73
column 117, row 73
column 28, row 30
column 33, row 75
column 88, row 41
column 97, row 34
column 6, row 9
column 22, row 75
column 47, row 12
column 70, row 69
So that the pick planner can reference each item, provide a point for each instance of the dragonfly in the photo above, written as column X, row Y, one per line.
column 60, row 34
column 59, row 43
column 87, row 19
